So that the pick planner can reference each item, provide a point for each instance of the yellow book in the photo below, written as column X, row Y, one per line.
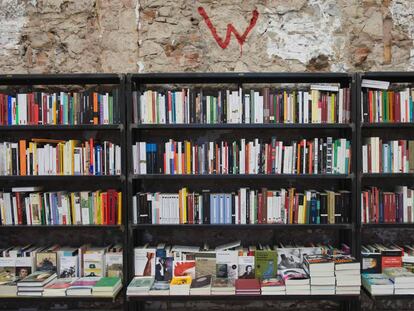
column 54, row 110
column 99, row 207
column 61, row 154
column 291, row 202
column 285, row 112
column 28, row 156
column 72, row 157
column 332, row 109
column 188, row 156
column 35, row 164
column 72, row 208
column 304, row 220
column 181, row 280
column 184, row 193
column 315, row 106
column 119, row 208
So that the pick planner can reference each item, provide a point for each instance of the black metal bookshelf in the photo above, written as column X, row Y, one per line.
column 58, row 234
column 387, row 180
column 345, row 232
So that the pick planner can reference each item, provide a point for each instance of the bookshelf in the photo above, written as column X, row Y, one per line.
column 195, row 233
column 382, row 232
column 74, row 235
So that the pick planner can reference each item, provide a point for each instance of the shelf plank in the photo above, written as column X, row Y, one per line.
column 245, row 297
column 244, row 176
column 389, row 225
column 39, row 178
column 387, row 175
column 387, row 125
column 322, row 126
column 247, row 226
column 61, row 227
column 80, row 127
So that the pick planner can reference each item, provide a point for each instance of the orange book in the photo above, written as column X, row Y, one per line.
column 22, row 160
column 95, row 109
column 91, row 157
column 119, row 219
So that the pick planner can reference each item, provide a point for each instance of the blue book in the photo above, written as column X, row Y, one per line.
column 222, row 207
column 212, row 209
column 9, row 110
column 228, row 208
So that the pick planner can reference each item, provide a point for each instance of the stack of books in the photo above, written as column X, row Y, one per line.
column 321, row 270
column 297, row 281
column 33, row 284
column 273, row 286
column 160, row 288
column 248, row 287
column 107, row 287
column 180, row 285
column 377, row 284
column 140, row 286
column 403, row 280
column 201, row 285
column 82, row 286
column 348, row 275
column 58, row 287
column 222, row 286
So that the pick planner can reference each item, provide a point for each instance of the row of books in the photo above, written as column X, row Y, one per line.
column 393, row 281
column 23, row 207
column 46, row 283
column 59, row 157
column 17, row 262
column 245, row 206
column 218, row 271
column 63, row 108
column 307, row 156
column 377, row 257
column 319, row 104
column 394, row 156
column 379, row 206
column 387, row 106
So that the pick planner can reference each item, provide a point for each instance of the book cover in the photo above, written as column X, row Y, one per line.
column 205, row 264
column 185, row 267
column 144, row 260
column 246, row 267
column 201, row 282
column 141, row 282
column 226, row 264
column 265, row 264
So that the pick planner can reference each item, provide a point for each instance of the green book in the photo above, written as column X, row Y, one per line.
column 265, row 264
column 108, row 283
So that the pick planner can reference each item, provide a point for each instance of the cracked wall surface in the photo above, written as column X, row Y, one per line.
column 171, row 35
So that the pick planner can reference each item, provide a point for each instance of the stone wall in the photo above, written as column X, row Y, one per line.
column 172, row 35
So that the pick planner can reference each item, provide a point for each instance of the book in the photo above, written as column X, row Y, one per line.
column 294, row 276
column 160, row 288
column 377, row 284
column 318, row 263
column 273, row 286
column 265, row 264
column 201, row 285
column 247, row 287
column 144, row 261
column 222, row 286
column 82, row 286
column 107, row 286
column 58, row 287
column 400, row 277
column 37, row 278
column 140, row 285
column 180, row 285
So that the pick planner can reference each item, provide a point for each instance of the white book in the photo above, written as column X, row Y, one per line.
column 375, row 84
column 306, row 107
column 247, row 108
column 22, row 107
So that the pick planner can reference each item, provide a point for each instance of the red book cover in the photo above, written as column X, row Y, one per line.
column 370, row 103
column 263, row 207
column 247, row 153
column 310, row 162
column 397, row 114
column 19, row 209
column 386, row 208
column 154, row 118
column 217, row 164
column 169, row 105
column 391, row 262
column 247, row 285
column 111, row 207
column 259, row 206
column 105, row 208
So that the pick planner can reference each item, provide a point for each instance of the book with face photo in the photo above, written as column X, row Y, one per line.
column 246, row 267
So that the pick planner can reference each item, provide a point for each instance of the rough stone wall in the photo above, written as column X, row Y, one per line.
column 172, row 35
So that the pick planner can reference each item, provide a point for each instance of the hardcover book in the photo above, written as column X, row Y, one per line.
column 265, row 264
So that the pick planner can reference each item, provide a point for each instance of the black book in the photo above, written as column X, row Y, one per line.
column 206, row 206
column 365, row 109
column 323, row 208
column 233, row 208
column 338, row 208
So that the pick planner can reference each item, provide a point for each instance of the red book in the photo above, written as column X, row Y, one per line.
column 19, row 209
column 397, row 105
column 247, row 287
column 111, row 207
column 104, row 208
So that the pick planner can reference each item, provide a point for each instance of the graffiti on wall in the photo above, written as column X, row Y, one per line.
column 241, row 38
